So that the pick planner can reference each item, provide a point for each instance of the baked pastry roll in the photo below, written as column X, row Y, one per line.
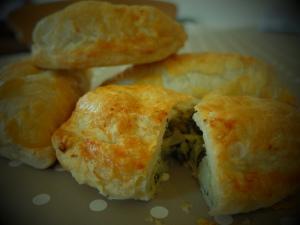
column 113, row 140
column 94, row 33
column 252, row 152
column 33, row 103
column 198, row 74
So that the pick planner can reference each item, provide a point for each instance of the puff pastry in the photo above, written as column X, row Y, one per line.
column 33, row 103
column 113, row 139
column 198, row 74
column 252, row 152
column 94, row 33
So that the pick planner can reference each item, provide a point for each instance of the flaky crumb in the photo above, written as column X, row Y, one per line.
column 186, row 207
column 149, row 219
column 158, row 222
column 154, row 221
column 165, row 177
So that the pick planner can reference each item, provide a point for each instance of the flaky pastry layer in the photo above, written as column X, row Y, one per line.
column 252, row 152
column 113, row 139
column 33, row 104
column 199, row 74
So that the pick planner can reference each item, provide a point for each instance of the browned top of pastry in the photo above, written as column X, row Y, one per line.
column 252, row 149
column 33, row 104
column 112, row 140
column 92, row 33
column 199, row 74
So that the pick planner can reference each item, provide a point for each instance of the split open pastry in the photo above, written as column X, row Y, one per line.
column 33, row 103
column 94, row 33
column 252, row 152
column 198, row 74
column 119, row 138
column 114, row 140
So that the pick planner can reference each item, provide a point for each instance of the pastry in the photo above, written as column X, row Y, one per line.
column 244, row 149
column 93, row 33
column 114, row 140
column 251, row 152
column 33, row 103
column 198, row 74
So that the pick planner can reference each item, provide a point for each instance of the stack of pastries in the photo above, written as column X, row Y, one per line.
column 224, row 115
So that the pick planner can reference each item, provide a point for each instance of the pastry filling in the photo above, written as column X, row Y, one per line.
column 183, row 141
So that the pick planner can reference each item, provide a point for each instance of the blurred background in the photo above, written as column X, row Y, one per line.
column 18, row 17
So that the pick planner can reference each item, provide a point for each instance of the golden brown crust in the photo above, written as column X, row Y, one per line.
column 198, row 74
column 113, row 138
column 92, row 33
column 252, row 148
column 33, row 103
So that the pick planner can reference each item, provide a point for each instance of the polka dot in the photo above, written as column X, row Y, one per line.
column 289, row 221
column 159, row 212
column 98, row 205
column 223, row 220
column 41, row 199
column 59, row 168
column 15, row 163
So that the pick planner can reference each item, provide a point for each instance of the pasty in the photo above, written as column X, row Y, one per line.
column 33, row 103
column 94, row 33
column 199, row 74
column 114, row 140
column 251, row 152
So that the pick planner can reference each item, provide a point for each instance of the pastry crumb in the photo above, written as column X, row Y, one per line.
column 165, row 177
column 154, row 221
column 158, row 222
column 186, row 207
column 203, row 221
column 149, row 219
